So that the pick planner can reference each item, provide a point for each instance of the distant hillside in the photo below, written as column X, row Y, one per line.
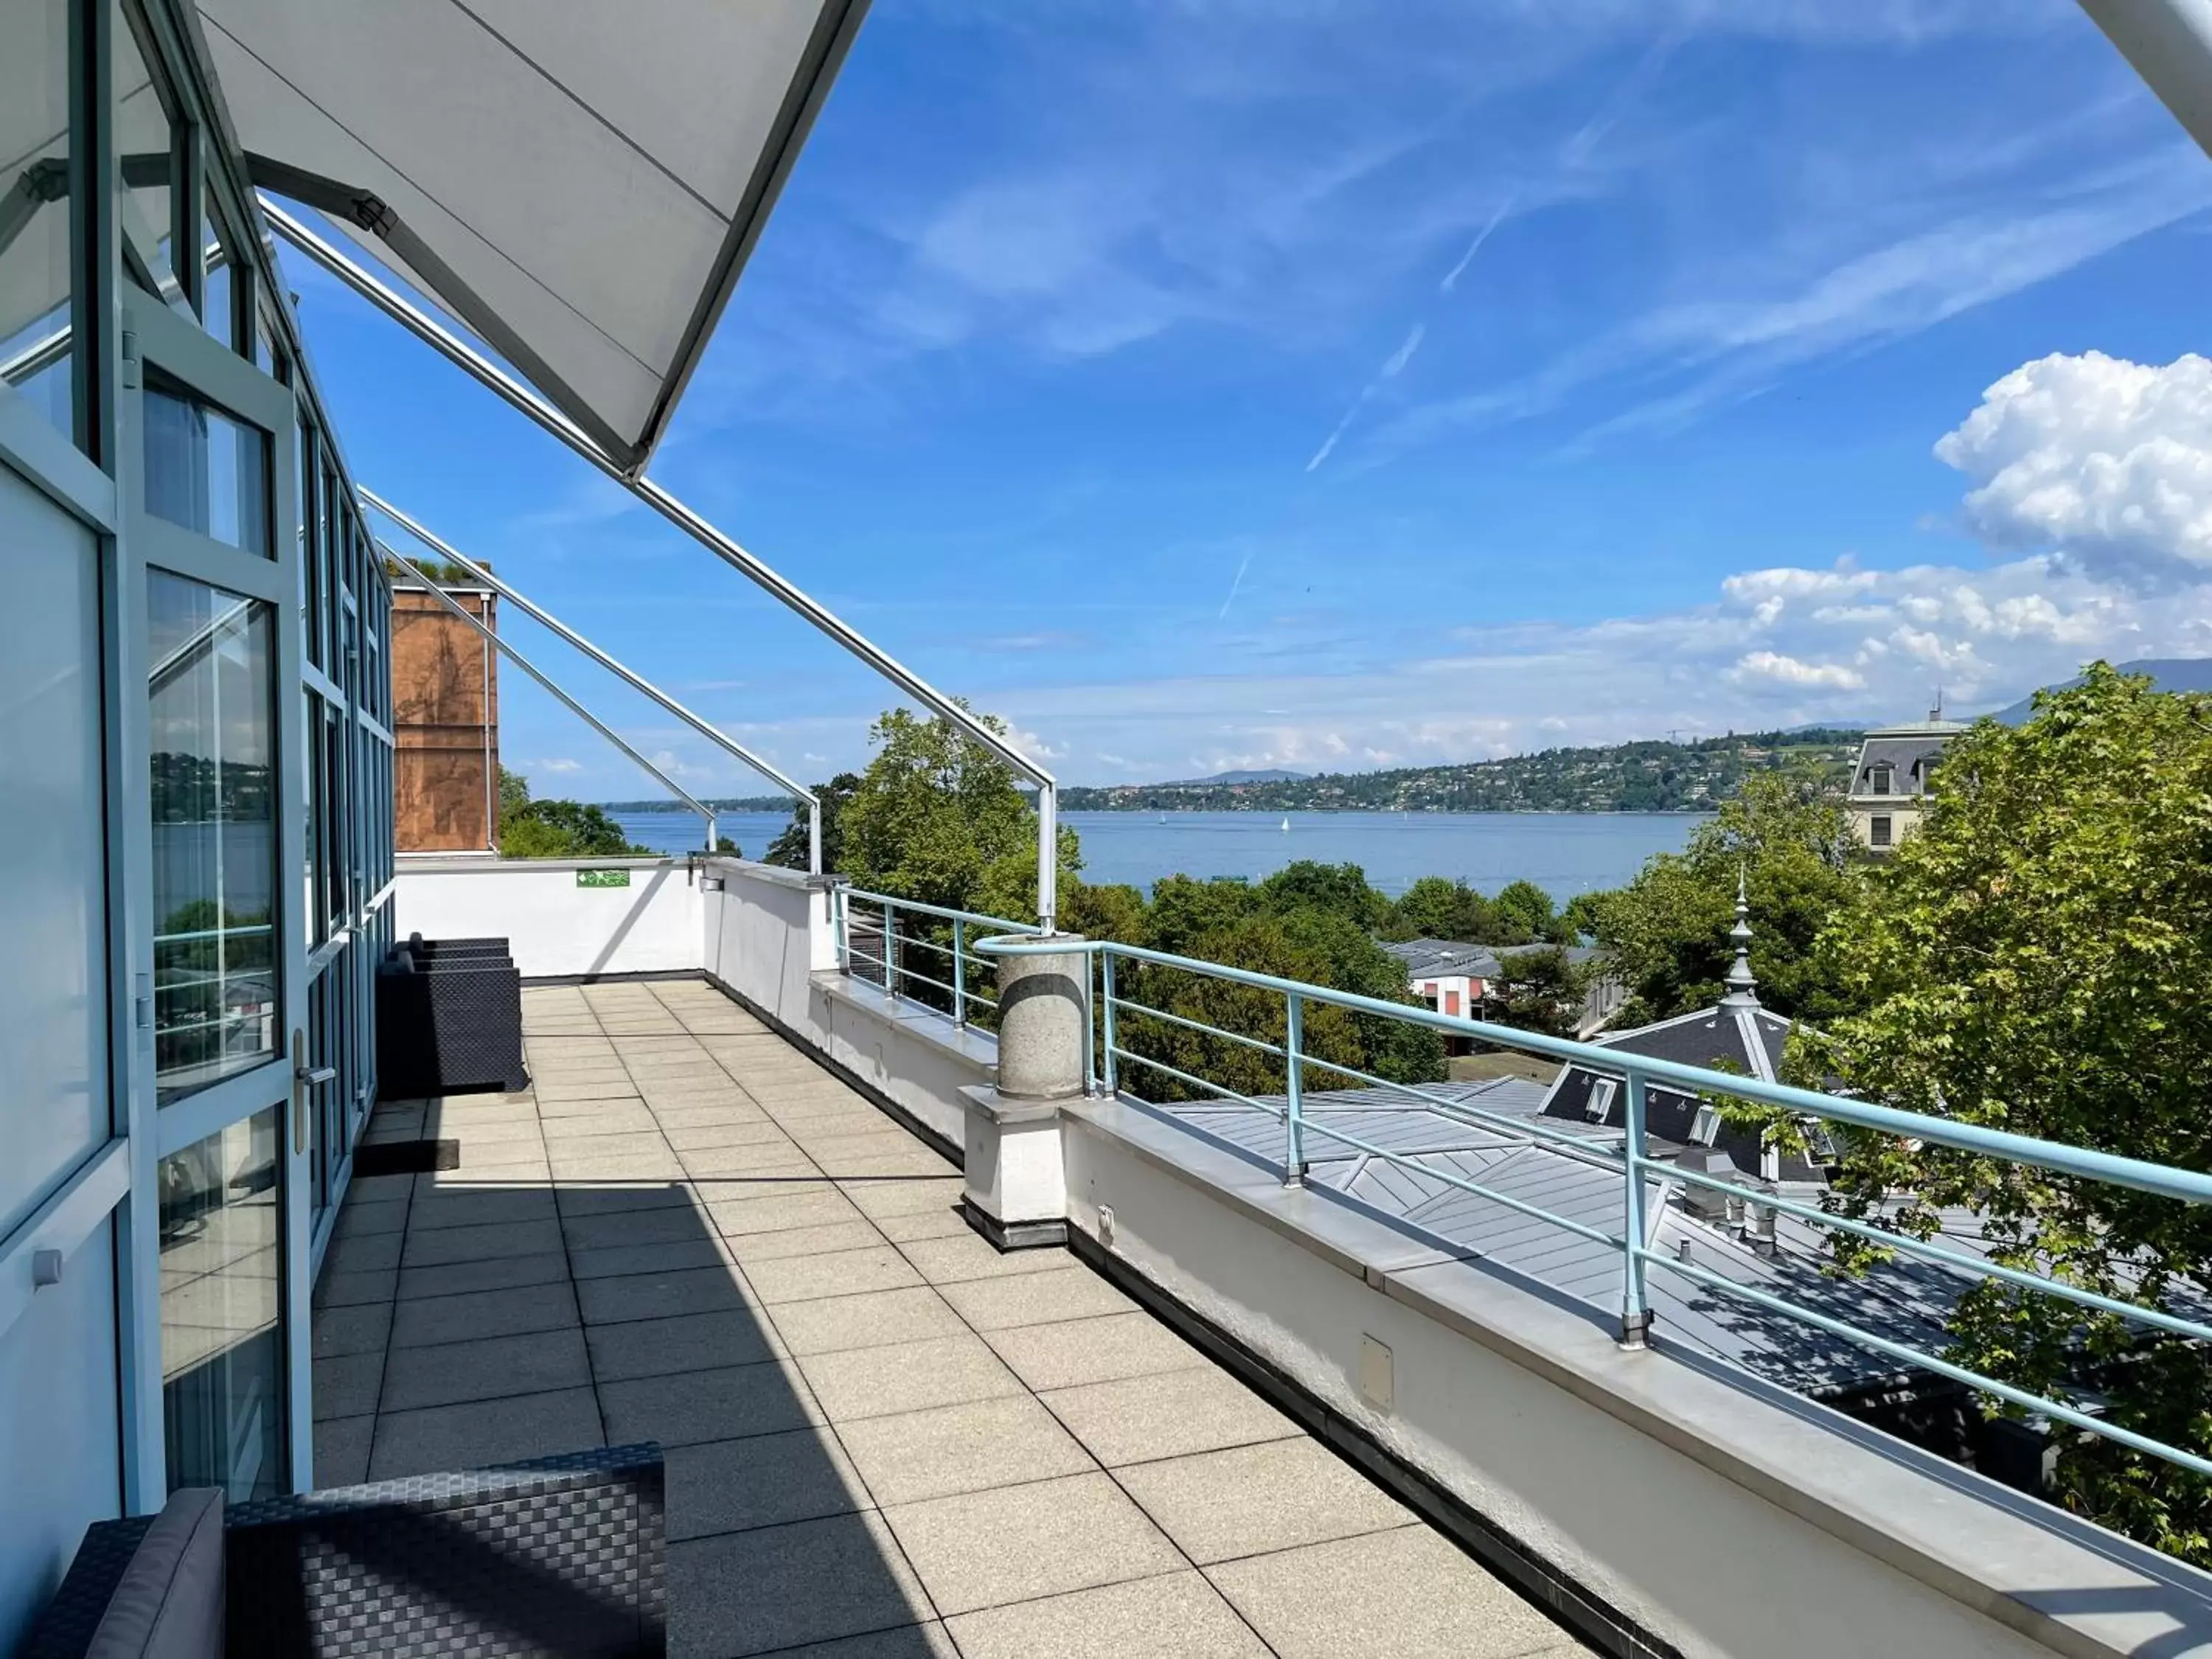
column 1628, row 777
column 2167, row 673
column 1277, row 775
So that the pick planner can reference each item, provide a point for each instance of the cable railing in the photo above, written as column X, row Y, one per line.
column 1115, row 1069
column 877, row 936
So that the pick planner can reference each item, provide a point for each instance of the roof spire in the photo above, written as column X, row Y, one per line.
column 1742, row 989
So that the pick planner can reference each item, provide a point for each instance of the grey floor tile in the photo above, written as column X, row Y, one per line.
column 691, row 1342
column 887, row 1198
column 1250, row 1500
column 727, row 1486
column 478, row 1207
column 723, row 1129
column 361, row 1328
column 1401, row 1595
column 508, row 1311
column 484, row 1432
column 1134, row 1419
column 489, row 1369
column 967, row 1254
column 776, row 1209
column 985, row 1549
column 853, row 1383
column 686, row 1407
column 907, row 1641
column 347, row 1386
column 1069, row 1292
column 846, row 1273
column 358, row 1220
column 1179, row 1616
column 829, row 1240
column 499, row 1273
column 342, row 1451
column 443, row 1245
column 865, row 1321
column 1096, row 1350
column 365, row 1252
column 659, row 1224
column 944, row 1223
column 591, row 1198
column 965, row 1447
column 662, row 1295
column 622, row 1260
column 774, row 1587
column 344, row 1289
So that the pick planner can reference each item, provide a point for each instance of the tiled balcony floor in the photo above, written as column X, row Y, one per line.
column 884, row 1438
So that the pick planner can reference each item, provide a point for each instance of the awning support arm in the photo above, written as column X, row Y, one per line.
column 457, row 350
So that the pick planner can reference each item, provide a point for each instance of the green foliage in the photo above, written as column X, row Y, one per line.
column 790, row 847
column 1628, row 777
column 513, row 792
column 1525, row 915
column 563, row 830
column 2039, row 958
column 1542, row 990
column 1436, row 907
column 1666, row 931
column 1340, row 890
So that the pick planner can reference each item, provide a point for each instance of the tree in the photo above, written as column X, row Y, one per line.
column 1340, row 890
column 1524, row 915
column 1436, row 907
column 1539, row 989
column 2039, row 958
column 564, row 830
column 513, row 792
column 791, row 846
column 1667, row 932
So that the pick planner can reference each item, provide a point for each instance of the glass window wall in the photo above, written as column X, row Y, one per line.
column 222, row 1281
column 205, row 470
column 37, row 263
column 149, row 141
column 213, row 739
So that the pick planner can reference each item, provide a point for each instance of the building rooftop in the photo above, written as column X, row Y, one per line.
column 882, row 1435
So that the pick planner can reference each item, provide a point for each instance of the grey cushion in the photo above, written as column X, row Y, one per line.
column 169, row 1603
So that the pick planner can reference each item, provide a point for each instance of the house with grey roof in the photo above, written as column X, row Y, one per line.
column 1895, row 772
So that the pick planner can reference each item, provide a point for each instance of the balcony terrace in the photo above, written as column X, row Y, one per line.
column 883, row 1436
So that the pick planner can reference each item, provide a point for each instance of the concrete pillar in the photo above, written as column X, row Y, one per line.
column 1017, row 1186
column 821, row 922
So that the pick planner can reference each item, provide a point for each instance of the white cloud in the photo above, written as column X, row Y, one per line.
column 2108, row 461
column 1794, row 671
column 559, row 765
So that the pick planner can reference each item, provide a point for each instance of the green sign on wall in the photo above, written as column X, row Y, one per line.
column 602, row 878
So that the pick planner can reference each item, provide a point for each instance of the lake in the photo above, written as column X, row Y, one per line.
column 1563, row 853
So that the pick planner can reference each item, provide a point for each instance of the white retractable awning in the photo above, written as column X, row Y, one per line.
column 578, row 181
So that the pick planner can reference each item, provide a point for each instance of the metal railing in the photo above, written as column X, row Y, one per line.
column 871, row 945
column 1111, row 1065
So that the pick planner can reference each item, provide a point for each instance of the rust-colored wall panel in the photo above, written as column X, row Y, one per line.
column 445, row 700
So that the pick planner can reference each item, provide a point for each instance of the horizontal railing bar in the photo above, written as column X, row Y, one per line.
column 1533, row 1133
column 1906, row 1354
column 919, row 908
column 1921, row 1248
column 1146, row 1008
column 2078, row 1162
column 234, row 931
column 1261, row 1107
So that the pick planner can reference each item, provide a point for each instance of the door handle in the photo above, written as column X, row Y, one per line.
column 310, row 1076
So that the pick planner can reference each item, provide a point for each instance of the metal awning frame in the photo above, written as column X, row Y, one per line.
column 637, row 682
column 457, row 350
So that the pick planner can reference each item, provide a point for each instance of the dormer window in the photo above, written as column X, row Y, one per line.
column 1600, row 1099
column 1881, row 778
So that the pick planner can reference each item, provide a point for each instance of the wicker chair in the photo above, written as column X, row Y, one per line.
column 558, row 1558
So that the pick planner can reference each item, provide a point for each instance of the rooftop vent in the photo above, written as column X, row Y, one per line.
column 1701, row 1201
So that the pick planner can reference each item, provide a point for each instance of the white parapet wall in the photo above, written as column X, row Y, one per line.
column 562, row 918
column 1720, row 1514
column 768, row 938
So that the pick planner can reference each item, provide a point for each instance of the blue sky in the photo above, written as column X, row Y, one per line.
column 1340, row 385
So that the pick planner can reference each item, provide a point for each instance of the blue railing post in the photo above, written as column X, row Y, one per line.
column 891, row 931
column 837, row 917
column 1090, row 1034
column 1294, row 1125
column 1635, row 1310
column 1106, row 1019
column 959, row 974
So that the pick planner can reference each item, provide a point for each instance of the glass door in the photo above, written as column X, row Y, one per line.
column 207, row 466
